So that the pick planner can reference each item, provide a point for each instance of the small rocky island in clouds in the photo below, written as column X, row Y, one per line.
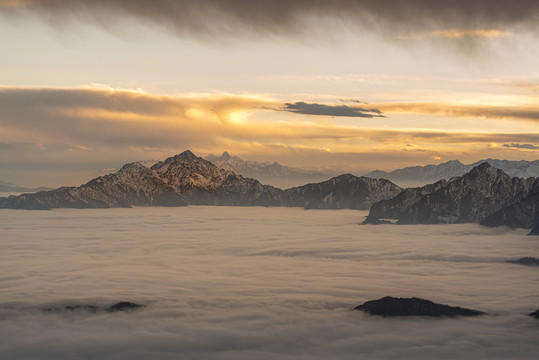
column 391, row 306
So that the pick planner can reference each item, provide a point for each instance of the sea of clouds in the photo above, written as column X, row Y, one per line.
column 257, row 283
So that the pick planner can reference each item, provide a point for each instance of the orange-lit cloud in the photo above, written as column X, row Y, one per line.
column 111, row 117
column 457, row 33
column 98, row 124
column 522, row 112
column 461, row 33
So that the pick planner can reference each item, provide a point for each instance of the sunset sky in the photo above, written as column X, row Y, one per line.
column 342, row 84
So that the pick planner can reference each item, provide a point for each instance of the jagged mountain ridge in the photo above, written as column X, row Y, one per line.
column 416, row 176
column 203, row 183
column 274, row 173
column 186, row 179
column 469, row 198
column 342, row 192
column 180, row 180
column 521, row 214
column 133, row 185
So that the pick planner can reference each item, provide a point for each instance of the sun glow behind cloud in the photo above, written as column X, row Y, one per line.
column 120, row 120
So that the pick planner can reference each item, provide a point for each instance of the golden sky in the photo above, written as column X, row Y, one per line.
column 347, row 85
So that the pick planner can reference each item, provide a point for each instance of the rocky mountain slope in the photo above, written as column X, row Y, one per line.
column 342, row 192
column 469, row 198
column 420, row 175
column 267, row 173
column 521, row 214
column 202, row 183
column 180, row 180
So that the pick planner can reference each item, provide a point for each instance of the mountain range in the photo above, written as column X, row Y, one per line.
column 278, row 175
column 415, row 176
column 285, row 176
column 186, row 179
column 485, row 194
column 9, row 187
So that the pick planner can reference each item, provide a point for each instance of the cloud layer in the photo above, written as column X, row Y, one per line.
column 257, row 283
column 522, row 112
column 116, row 118
column 49, row 129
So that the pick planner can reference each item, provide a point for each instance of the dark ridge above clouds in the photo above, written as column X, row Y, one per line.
column 331, row 110
column 253, row 18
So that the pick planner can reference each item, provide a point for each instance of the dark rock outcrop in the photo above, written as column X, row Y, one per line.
column 535, row 314
column 124, row 306
column 342, row 192
column 391, row 306
column 89, row 308
column 528, row 261
column 469, row 198
column 120, row 306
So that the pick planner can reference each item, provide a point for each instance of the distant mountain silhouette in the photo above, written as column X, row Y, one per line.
column 9, row 187
column 421, row 175
column 274, row 174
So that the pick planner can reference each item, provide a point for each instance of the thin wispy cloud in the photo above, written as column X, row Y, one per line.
column 521, row 112
column 522, row 146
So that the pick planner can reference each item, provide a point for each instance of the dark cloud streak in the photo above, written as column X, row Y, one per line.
column 521, row 146
column 331, row 110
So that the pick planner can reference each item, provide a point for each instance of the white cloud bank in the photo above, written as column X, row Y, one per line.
column 264, row 283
